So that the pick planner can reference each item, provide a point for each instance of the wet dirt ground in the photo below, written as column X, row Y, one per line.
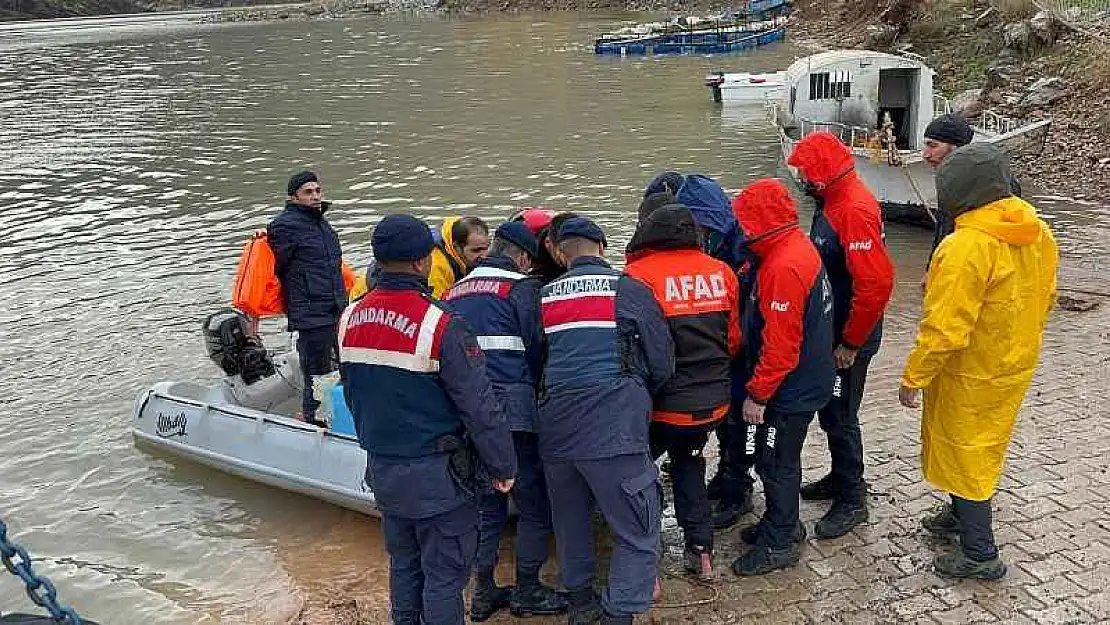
column 1050, row 514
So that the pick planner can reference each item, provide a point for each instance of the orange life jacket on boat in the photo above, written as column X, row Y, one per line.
column 257, row 290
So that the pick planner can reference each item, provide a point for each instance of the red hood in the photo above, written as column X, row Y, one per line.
column 765, row 207
column 821, row 158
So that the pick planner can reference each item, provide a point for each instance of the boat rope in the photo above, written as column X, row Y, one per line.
column 913, row 184
column 39, row 588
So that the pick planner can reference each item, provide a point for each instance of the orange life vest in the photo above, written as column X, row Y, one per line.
column 257, row 290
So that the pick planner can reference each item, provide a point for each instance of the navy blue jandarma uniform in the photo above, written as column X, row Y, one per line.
column 502, row 306
column 414, row 378
column 608, row 350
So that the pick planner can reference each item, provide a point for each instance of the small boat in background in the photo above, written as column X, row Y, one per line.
column 760, row 23
column 744, row 88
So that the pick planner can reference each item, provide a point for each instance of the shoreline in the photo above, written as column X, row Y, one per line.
column 1073, row 162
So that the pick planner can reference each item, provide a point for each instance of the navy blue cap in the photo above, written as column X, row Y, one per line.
column 401, row 237
column 299, row 180
column 580, row 227
column 518, row 234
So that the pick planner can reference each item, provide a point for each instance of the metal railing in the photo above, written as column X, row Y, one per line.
column 941, row 106
column 1076, row 11
column 997, row 124
column 851, row 136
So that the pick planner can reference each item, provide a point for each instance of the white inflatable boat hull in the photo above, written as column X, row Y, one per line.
column 204, row 425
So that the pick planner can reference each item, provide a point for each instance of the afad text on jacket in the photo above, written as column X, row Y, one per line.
column 412, row 374
column 699, row 297
column 789, row 314
column 848, row 232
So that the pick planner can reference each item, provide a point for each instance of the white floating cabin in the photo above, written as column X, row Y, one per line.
column 879, row 105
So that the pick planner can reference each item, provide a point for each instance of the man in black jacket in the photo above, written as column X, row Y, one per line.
column 308, row 265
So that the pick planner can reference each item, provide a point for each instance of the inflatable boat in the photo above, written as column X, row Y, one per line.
column 243, row 424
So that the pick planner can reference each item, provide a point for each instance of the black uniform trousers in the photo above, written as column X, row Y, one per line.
column 685, row 448
column 840, row 421
column 778, row 460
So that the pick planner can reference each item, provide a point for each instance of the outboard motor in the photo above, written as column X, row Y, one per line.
column 234, row 349
column 255, row 379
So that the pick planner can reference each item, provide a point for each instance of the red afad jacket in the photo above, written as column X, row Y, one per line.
column 700, row 298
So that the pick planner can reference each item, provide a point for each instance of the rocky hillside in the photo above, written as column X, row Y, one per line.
column 1004, row 55
column 46, row 9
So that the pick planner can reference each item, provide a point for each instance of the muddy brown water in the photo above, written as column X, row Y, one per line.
column 135, row 157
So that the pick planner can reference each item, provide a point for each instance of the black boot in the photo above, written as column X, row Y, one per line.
column 531, row 598
column 763, row 560
column 943, row 523
column 750, row 534
column 959, row 566
column 488, row 598
column 841, row 518
column 609, row 619
column 584, row 608
column 728, row 513
column 821, row 490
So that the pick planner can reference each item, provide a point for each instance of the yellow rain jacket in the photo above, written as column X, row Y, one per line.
column 990, row 289
column 448, row 266
column 360, row 288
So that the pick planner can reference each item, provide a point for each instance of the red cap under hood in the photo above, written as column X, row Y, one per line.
column 764, row 206
column 536, row 218
column 821, row 158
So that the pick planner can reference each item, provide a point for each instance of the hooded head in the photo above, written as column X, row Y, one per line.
column 465, row 239
column 653, row 202
column 670, row 227
column 973, row 176
column 821, row 159
column 763, row 209
column 973, row 184
column 669, row 181
column 712, row 211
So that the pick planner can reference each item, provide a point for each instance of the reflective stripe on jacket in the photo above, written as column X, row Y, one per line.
column 607, row 349
column 501, row 306
column 412, row 374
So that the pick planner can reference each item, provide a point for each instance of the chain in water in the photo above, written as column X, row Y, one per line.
column 39, row 589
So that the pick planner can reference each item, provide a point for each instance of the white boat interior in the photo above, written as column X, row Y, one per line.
column 202, row 423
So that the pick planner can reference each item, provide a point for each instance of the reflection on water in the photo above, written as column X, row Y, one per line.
column 136, row 158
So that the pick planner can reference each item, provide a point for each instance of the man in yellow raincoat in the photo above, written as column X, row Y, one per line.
column 463, row 242
column 990, row 289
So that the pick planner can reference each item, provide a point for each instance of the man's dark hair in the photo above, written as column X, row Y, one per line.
column 578, row 246
column 466, row 226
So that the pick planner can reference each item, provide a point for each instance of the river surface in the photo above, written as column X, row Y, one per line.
column 136, row 156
